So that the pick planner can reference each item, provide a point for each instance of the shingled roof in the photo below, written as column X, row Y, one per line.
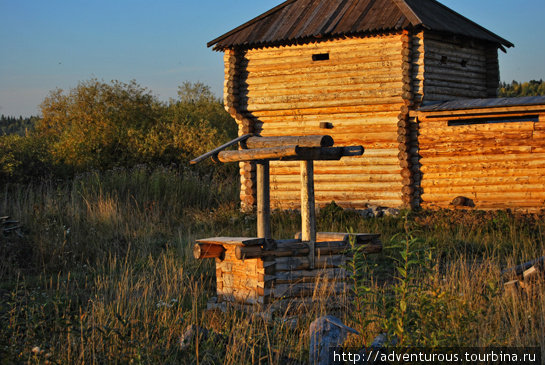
column 300, row 20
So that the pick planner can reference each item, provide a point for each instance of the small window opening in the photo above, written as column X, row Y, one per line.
column 444, row 59
column 320, row 57
column 464, row 63
column 528, row 118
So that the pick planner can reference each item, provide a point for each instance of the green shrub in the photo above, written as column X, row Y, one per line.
column 24, row 158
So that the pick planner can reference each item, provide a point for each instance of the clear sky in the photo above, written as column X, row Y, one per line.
column 48, row 44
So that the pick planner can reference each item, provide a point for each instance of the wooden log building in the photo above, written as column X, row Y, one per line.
column 365, row 72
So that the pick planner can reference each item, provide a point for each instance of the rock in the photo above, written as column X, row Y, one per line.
column 462, row 201
column 391, row 212
column 379, row 341
column 325, row 332
column 190, row 333
column 193, row 330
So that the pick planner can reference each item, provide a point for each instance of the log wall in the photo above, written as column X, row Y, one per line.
column 497, row 165
column 455, row 68
column 243, row 281
column 252, row 276
column 359, row 91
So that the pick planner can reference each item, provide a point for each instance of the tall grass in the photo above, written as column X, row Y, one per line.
column 103, row 272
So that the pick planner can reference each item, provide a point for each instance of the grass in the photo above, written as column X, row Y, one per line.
column 103, row 272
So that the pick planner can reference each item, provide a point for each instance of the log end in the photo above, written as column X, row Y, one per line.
column 206, row 251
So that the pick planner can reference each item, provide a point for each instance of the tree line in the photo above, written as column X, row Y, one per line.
column 516, row 89
column 99, row 126
column 13, row 125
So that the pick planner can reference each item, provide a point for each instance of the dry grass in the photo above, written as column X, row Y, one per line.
column 104, row 273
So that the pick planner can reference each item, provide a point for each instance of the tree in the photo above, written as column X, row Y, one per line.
column 516, row 89
column 98, row 125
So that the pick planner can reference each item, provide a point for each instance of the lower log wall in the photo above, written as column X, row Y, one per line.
column 498, row 165
column 285, row 280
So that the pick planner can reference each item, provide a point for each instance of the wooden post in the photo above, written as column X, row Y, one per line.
column 308, row 216
column 263, row 200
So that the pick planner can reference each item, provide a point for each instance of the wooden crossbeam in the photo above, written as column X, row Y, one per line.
column 217, row 150
column 290, row 153
column 301, row 141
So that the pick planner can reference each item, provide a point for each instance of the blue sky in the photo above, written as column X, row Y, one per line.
column 54, row 44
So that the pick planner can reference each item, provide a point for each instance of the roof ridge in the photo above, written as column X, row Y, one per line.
column 409, row 12
column 251, row 21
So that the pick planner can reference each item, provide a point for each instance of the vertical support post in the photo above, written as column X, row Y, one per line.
column 263, row 200
column 308, row 215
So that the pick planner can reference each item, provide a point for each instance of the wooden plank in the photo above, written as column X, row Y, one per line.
column 207, row 250
column 233, row 241
column 258, row 154
column 302, row 249
column 303, row 263
column 341, row 236
column 301, row 141
column 301, row 276
column 263, row 200
column 217, row 150
column 293, row 153
column 308, row 215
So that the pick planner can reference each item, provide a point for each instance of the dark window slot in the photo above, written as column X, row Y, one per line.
column 528, row 118
column 320, row 57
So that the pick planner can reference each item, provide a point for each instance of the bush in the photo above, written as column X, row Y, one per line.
column 100, row 126
column 23, row 158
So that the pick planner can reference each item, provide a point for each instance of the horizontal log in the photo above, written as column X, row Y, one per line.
column 489, row 196
column 350, row 74
column 339, row 195
column 527, row 205
column 215, row 151
column 350, row 117
column 483, row 173
column 360, row 238
column 439, row 45
column 301, row 141
column 302, row 263
column 290, row 153
column 298, row 68
column 484, row 180
column 293, row 96
column 292, row 203
column 346, row 187
column 360, row 169
column 384, row 103
column 347, row 55
column 275, row 86
column 343, row 136
column 302, row 276
column 367, row 44
column 470, row 189
column 512, row 168
column 206, row 250
column 431, row 71
column 364, row 179
column 233, row 241
column 518, row 154
column 302, row 249
column 519, row 269
column 331, row 111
